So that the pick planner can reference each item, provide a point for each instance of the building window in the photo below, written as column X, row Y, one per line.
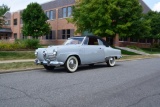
column 67, row 11
column 47, row 14
column 15, row 35
column 49, row 36
column 15, row 21
column 68, row 33
column 63, row 34
column 51, row 15
column 7, row 22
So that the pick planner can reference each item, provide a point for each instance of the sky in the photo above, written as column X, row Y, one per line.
column 16, row 5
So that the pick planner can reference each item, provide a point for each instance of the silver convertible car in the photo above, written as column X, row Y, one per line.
column 77, row 51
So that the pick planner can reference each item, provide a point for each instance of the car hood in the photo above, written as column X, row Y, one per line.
column 59, row 47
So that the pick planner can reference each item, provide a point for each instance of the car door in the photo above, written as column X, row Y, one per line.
column 93, row 52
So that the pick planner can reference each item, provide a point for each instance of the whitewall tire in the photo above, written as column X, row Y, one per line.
column 71, row 64
column 111, row 62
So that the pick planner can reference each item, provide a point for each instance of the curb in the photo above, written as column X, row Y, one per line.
column 19, row 70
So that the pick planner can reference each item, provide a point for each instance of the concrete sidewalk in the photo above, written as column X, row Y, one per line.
column 133, row 50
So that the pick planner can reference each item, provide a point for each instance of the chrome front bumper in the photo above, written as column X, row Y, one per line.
column 49, row 63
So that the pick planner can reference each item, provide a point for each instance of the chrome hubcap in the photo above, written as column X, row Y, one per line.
column 111, row 60
column 72, row 63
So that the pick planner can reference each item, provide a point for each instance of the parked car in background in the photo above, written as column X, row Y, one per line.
column 77, row 51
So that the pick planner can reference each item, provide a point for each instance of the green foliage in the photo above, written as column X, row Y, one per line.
column 93, row 16
column 156, row 45
column 140, row 28
column 3, row 9
column 154, row 18
column 109, row 17
column 19, row 45
column 34, row 21
column 154, row 50
column 32, row 43
column 16, row 55
column 124, row 52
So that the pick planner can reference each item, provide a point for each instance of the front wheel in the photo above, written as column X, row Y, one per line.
column 49, row 68
column 111, row 62
column 71, row 64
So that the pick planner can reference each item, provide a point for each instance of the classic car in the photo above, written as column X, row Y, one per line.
column 77, row 51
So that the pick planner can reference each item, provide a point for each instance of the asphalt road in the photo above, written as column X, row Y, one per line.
column 128, row 84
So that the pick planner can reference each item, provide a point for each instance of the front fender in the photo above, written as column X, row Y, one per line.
column 64, row 56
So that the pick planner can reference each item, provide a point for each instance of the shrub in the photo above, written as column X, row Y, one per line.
column 32, row 43
column 156, row 45
column 19, row 45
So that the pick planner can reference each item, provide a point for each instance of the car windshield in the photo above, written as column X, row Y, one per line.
column 73, row 41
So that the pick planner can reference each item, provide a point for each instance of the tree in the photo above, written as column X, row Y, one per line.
column 154, row 18
column 3, row 10
column 34, row 21
column 109, row 17
column 93, row 16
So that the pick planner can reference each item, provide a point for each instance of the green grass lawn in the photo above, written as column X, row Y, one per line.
column 147, row 50
column 18, row 65
column 124, row 52
column 15, row 55
column 151, row 51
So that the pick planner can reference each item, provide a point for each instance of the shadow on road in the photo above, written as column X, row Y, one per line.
column 81, row 68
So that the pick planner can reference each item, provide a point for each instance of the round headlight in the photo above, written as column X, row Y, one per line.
column 54, row 52
column 36, row 53
column 44, row 53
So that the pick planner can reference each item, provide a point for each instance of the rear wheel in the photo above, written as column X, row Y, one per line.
column 111, row 62
column 49, row 68
column 71, row 64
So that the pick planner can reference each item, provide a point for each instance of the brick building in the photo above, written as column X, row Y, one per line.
column 56, row 11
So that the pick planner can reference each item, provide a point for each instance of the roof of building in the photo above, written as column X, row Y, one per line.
column 7, row 15
column 146, row 9
column 5, row 30
column 56, row 3
column 60, row 3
